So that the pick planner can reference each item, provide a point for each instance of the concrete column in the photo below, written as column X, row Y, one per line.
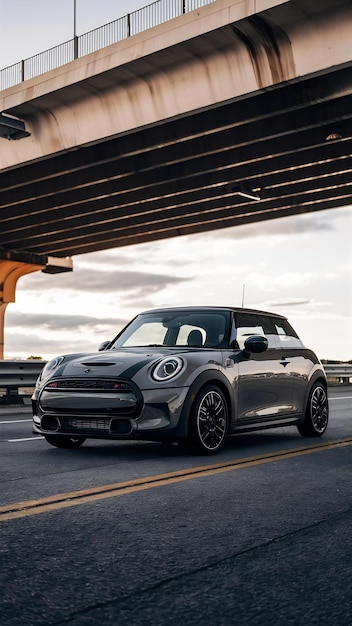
column 10, row 272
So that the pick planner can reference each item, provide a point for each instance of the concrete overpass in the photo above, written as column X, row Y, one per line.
column 239, row 111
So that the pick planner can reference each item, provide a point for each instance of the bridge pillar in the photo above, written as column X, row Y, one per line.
column 17, row 263
column 10, row 272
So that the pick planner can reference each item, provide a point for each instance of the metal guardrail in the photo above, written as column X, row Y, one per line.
column 339, row 373
column 131, row 24
column 17, row 379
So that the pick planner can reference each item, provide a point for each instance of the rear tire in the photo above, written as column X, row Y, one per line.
column 209, row 421
column 63, row 441
column 317, row 413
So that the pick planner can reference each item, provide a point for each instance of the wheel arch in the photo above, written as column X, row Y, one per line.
column 316, row 415
column 207, row 378
column 318, row 377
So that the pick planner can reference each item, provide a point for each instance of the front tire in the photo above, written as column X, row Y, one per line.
column 63, row 441
column 209, row 421
column 317, row 413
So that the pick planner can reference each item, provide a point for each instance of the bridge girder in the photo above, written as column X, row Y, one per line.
column 150, row 138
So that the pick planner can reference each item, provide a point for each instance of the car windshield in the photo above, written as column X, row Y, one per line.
column 194, row 328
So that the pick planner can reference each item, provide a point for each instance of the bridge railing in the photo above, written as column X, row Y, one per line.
column 131, row 24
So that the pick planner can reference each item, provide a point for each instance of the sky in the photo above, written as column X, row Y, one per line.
column 28, row 27
column 299, row 266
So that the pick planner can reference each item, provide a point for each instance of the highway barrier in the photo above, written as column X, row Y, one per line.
column 18, row 378
column 338, row 373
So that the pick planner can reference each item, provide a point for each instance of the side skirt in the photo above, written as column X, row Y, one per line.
column 249, row 425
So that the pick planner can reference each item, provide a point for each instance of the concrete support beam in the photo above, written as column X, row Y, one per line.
column 13, row 265
column 10, row 272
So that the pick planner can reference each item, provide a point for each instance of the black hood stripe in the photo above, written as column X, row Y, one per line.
column 132, row 371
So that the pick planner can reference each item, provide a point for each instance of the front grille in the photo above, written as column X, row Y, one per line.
column 91, row 384
column 90, row 397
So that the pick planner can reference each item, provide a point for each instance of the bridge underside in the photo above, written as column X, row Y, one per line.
column 161, row 136
column 290, row 145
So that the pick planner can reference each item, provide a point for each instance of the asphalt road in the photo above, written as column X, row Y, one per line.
column 145, row 534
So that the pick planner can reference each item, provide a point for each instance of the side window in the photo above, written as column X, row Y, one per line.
column 286, row 336
column 247, row 325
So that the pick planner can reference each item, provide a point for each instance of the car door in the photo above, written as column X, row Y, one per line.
column 264, row 386
column 300, row 361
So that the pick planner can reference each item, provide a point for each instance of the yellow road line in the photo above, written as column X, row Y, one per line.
column 83, row 496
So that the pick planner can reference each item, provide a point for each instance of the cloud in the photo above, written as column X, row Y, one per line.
column 275, row 304
column 284, row 226
column 46, row 335
column 87, row 280
column 48, row 322
column 24, row 345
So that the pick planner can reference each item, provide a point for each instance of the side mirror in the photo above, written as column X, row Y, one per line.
column 256, row 344
column 103, row 346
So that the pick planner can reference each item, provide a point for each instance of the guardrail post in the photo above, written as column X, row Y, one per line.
column 12, row 397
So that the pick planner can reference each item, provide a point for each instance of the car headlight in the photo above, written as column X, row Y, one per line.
column 50, row 366
column 168, row 368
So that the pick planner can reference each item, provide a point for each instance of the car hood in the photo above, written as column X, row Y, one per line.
column 126, row 362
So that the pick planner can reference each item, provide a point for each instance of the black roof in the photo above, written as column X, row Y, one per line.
column 213, row 308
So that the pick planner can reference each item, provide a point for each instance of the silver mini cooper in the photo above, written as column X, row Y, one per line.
column 193, row 374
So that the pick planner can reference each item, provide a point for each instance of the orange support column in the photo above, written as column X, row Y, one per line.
column 10, row 272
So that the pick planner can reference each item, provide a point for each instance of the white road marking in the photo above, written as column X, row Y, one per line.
column 25, row 439
column 14, row 421
column 342, row 398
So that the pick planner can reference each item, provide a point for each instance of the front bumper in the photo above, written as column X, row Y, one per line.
column 156, row 415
